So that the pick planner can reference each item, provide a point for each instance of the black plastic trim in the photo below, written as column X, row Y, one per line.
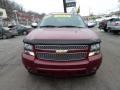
column 61, row 42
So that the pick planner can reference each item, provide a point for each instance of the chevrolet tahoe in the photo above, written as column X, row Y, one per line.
column 62, row 45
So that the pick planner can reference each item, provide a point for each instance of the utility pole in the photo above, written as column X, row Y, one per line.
column 2, row 22
column 27, row 22
column 119, row 8
column 15, row 11
column 64, row 5
column 33, row 18
column 1, row 19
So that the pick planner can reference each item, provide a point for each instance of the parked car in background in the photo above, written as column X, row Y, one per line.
column 6, row 33
column 11, row 30
column 103, row 25
column 91, row 23
column 113, row 25
column 21, row 29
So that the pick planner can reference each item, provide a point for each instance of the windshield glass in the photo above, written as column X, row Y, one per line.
column 62, row 21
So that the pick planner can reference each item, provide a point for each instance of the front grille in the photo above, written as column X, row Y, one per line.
column 62, row 57
column 79, row 52
column 61, row 47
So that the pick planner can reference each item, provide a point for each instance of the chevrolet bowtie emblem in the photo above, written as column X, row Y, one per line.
column 61, row 51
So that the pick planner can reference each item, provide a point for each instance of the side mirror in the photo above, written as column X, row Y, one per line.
column 34, row 25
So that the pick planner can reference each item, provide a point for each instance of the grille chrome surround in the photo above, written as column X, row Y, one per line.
column 82, row 52
column 61, row 47
column 61, row 57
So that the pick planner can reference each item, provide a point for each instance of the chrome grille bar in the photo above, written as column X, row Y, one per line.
column 62, row 57
column 61, row 47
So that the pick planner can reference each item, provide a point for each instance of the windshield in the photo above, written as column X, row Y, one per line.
column 62, row 21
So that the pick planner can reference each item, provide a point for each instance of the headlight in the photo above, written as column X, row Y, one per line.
column 95, row 49
column 28, row 49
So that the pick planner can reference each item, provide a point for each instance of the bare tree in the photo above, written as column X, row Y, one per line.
column 10, row 6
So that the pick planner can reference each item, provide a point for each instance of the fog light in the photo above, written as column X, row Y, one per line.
column 95, row 68
column 29, row 53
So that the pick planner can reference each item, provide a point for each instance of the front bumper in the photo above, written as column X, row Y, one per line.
column 68, row 68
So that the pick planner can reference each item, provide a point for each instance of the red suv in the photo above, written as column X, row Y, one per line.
column 62, row 45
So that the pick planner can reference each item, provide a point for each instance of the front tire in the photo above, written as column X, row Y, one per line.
column 105, row 30
column 13, row 36
column 4, row 37
column 25, row 33
column 92, row 74
column 30, row 71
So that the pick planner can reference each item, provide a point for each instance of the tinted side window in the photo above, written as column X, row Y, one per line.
column 115, row 19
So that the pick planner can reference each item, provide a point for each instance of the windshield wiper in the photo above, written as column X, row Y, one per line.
column 61, row 26
column 71, row 26
column 48, row 26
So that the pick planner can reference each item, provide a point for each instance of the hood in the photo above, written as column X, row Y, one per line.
column 62, row 34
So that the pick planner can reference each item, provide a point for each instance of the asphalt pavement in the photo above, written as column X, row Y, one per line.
column 13, row 75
